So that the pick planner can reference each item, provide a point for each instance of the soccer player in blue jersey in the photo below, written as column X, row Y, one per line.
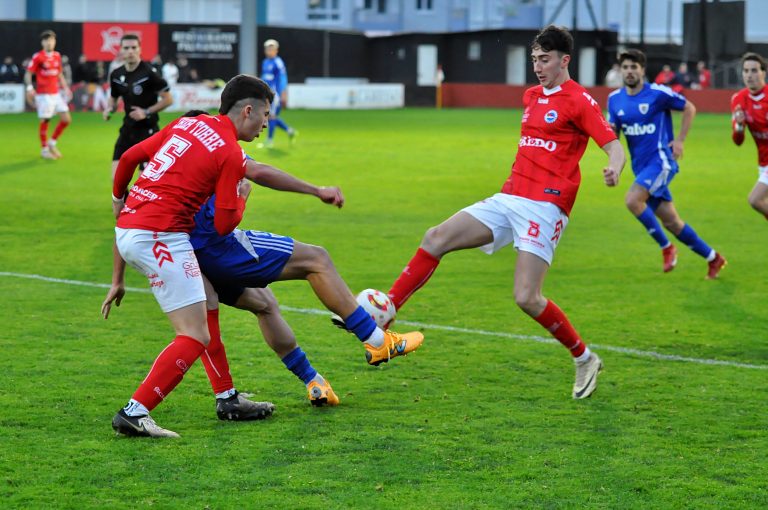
column 258, row 298
column 274, row 73
column 254, row 259
column 642, row 111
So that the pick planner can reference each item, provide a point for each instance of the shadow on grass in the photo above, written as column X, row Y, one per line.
column 19, row 165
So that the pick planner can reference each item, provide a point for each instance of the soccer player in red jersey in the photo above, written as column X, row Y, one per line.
column 46, row 66
column 533, row 207
column 749, row 107
column 189, row 160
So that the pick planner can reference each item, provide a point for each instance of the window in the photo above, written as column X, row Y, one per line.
column 379, row 5
column 474, row 50
column 323, row 10
column 424, row 5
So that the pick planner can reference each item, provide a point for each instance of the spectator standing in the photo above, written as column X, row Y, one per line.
column 705, row 76
column 170, row 73
column 613, row 77
column 9, row 72
column 683, row 78
column 183, row 70
column 665, row 77
column 83, row 72
column 66, row 69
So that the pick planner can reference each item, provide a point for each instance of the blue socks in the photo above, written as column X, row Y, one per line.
column 651, row 224
column 296, row 361
column 360, row 323
column 281, row 124
column 694, row 242
column 273, row 123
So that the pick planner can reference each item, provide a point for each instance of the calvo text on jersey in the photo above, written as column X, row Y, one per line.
column 639, row 129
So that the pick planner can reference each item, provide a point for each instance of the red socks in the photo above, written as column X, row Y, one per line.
column 215, row 357
column 554, row 320
column 414, row 276
column 168, row 370
column 44, row 133
column 60, row 127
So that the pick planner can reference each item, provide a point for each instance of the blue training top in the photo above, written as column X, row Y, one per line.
column 273, row 72
column 646, row 121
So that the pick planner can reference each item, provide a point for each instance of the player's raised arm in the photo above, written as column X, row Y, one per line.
column 274, row 178
column 616, row 162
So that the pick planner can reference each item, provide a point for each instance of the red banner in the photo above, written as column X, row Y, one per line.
column 101, row 41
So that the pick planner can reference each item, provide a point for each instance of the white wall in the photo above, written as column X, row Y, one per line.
column 203, row 11
column 13, row 10
column 756, row 14
column 101, row 10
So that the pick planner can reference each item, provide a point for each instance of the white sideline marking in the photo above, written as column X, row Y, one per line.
column 498, row 334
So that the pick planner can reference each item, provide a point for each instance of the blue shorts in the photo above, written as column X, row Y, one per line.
column 249, row 258
column 656, row 178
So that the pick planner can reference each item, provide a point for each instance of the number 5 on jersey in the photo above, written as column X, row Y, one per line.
column 165, row 157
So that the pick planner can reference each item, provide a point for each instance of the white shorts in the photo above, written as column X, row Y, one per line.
column 763, row 174
column 533, row 226
column 50, row 104
column 168, row 261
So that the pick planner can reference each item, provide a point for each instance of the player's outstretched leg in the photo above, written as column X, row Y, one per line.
column 529, row 278
column 459, row 232
column 688, row 236
column 313, row 264
column 281, row 339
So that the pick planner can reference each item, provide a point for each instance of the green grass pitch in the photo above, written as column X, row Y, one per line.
column 480, row 417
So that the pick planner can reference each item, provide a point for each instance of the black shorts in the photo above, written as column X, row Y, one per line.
column 130, row 136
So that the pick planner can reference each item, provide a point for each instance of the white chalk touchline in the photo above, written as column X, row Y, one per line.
column 477, row 332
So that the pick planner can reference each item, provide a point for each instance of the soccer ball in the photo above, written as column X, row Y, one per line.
column 379, row 307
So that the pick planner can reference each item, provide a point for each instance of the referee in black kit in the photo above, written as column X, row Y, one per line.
column 139, row 84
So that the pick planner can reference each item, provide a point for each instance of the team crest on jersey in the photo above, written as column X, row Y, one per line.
column 643, row 107
column 550, row 116
column 137, row 90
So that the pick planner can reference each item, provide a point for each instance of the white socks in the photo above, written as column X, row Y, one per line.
column 377, row 337
column 134, row 408
column 226, row 394
column 584, row 356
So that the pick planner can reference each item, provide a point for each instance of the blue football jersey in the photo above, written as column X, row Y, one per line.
column 273, row 72
column 204, row 234
column 646, row 121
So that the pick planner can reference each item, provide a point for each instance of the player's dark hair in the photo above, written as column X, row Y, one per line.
column 130, row 37
column 554, row 38
column 242, row 87
column 753, row 56
column 195, row 113
column 633, row 55
column 47, row 34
